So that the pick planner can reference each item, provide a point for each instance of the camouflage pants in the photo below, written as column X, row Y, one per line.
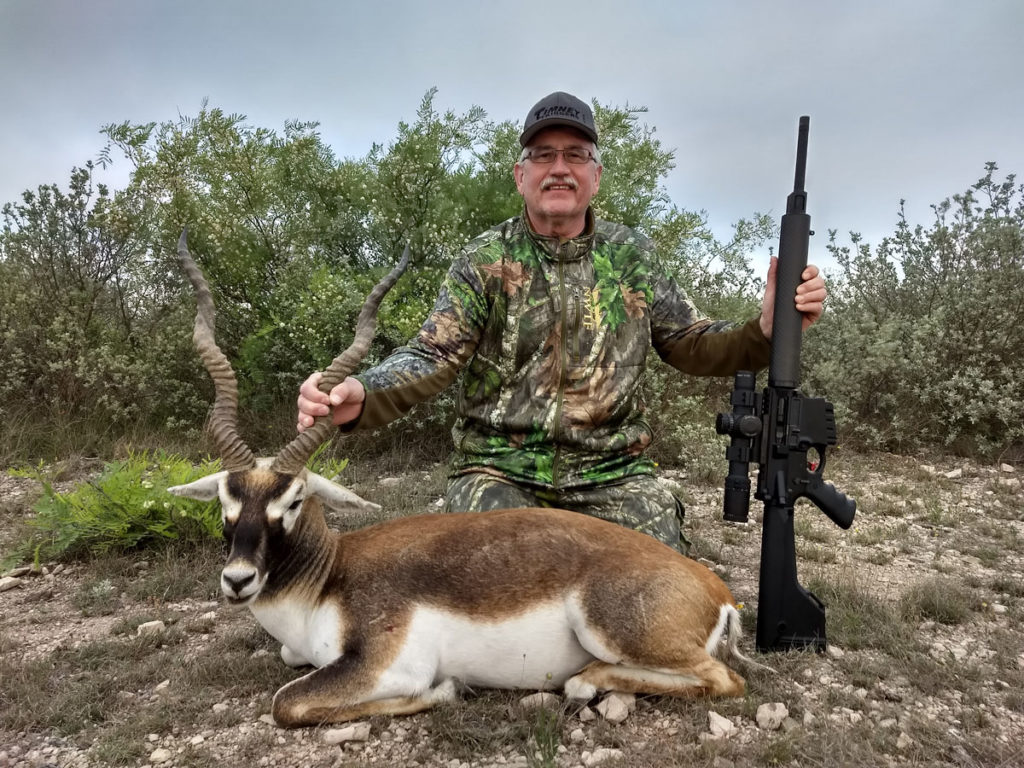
column 640, row 503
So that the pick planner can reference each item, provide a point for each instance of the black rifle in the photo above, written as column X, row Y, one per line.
column 786, row 433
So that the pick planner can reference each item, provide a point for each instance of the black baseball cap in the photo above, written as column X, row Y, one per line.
column 559, row 108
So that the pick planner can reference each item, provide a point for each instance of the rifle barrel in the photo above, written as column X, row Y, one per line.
column 784, row 369
column 801, row 153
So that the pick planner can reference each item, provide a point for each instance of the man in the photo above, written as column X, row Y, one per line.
column 553, row 312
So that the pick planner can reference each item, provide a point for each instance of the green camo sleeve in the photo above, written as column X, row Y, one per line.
column 708, row 349
column 687, row 340
column 430, row 361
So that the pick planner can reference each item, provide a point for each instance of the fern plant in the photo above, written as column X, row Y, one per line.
column 127, row 507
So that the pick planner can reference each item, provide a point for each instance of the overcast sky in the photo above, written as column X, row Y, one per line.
column 908, row 99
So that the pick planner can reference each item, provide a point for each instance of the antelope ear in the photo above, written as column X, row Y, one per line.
column 337, row 497
column 203, row 489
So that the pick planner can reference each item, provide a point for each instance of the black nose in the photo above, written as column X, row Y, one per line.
column 237, row 584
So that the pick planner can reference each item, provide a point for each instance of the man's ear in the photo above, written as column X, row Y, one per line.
column 517, row 171
column 597, row 179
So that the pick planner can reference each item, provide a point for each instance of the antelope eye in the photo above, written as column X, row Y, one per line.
column 295, row 505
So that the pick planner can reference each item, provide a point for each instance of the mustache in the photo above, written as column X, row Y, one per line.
column 565, row 181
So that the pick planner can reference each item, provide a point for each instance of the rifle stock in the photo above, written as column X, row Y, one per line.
column 787, row 434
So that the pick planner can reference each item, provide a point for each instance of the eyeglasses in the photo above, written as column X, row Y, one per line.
column 547, row 155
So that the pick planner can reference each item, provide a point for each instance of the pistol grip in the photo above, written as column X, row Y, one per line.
column 839, row 507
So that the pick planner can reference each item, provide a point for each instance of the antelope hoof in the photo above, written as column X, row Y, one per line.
column 578, row 689
column 444, row 693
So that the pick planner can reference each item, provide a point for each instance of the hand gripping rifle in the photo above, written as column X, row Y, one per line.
column 786, row 433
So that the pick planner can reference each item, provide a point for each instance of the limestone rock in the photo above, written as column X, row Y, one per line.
column 600, row 755
column 354, row 732
column 541, row 700
column 720, row 727
column 629, row 699
column 151, row 628
column 770, row 716
column 613, row 708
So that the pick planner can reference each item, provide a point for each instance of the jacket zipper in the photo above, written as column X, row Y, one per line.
column 576, row 322
column 560, row 393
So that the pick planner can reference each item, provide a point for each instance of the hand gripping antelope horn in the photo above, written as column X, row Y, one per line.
column 223, row 425
column 294, row 455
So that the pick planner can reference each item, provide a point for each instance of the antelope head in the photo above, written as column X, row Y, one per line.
column 270, row 507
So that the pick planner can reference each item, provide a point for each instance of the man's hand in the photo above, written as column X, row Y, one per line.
column 345, row 401
column 810, row 297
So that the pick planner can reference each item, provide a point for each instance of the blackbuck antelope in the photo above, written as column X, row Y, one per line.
column 395, row 615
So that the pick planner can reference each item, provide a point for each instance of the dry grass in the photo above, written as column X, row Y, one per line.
column 104, row 692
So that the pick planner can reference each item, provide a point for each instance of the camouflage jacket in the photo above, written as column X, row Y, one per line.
column 555, row 334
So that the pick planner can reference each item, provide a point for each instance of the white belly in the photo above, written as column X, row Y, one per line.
column 535, row 650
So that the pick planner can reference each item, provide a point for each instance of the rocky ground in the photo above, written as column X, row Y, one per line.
column 134, row 661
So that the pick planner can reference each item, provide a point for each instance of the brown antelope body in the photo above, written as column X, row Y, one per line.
column 395, row 615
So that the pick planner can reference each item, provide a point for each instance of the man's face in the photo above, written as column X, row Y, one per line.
column 557, row 194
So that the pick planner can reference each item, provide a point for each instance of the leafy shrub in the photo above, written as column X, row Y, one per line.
column 92, row 338
column 923, row 341
column 917, row 350
column 127, row 507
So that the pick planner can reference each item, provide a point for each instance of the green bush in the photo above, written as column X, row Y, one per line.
column 920, row 347
column 922, row 344
column 93, row 340
column 127, row 507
